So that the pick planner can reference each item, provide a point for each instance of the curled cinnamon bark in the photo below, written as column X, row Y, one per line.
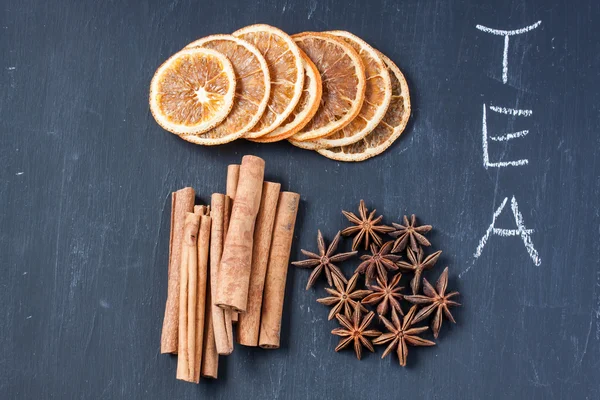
column 210, row 357
column 233, row 176
column 187, row 298
column 203, row 250
column 274, row 291
column 182, row 202
column 249, row 323
column 221, row 322
column 236, row 262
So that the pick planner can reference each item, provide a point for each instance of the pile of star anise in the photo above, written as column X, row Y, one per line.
column 381, row 269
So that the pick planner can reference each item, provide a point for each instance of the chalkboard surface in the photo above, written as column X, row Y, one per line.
column 86, row 175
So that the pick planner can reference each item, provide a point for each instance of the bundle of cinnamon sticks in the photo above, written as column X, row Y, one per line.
column 228, row 265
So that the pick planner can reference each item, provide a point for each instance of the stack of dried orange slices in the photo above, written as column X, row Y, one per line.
column 325, row 91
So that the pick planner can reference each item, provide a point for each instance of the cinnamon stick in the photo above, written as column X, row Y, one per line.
column 233, row 176
column 210, row 357
column 274, row 291
column 182, row 201
column 236, row 262
column 229, row 315
column 187, row 298
column 202, row 210
column 221, row 323
column 203, row 249
column 249, row 323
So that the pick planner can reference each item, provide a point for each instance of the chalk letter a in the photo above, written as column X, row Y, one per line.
column 521, row 231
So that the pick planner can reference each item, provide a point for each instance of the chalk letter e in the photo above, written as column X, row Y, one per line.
column 502, row 138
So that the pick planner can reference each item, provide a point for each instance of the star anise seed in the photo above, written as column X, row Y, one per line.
column 386, row 294
column 417, row 265
column 366, row 228
column 324, row 261
column 409, row 233
column 401, row 334
column 378, row 262
column 344, row 298
column 438, row 301
column 355, row 330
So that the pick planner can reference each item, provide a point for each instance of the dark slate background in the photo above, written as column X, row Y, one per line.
column 86, row 173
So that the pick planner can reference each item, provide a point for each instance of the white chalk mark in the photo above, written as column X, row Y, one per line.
column 513, row 32
column 524, row 233
column 509, row 232
column 19, row 173
column 512, row 111
column 505, row 61
column 29, row 317
column 521, row 231
column 484, row 137
column 490, row 229
column 25, row 273
column 506, row 35
column 11, row 68
column 486, row 156
column 509, row 136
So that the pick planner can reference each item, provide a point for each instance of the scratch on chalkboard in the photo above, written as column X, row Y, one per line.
column 276, row 386
column 173, row 4
column 536, row 381
column 597, row 310
column 312, row 8
column 92, row 328
column 587, row 340
column 59, row 224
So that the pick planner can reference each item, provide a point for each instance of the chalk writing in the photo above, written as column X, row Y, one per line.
column 511, row 111
column 506, row 35
column 521, row 231
column 509, row 136
column 502, row 138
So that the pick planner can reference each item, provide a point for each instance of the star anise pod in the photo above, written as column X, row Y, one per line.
column 378, row 262
column 324, row 261
column 367, row 228
column 401, row 334
column 344, row 297
column 409, row 233
column 355, row 330
column 386, row 294
column 417, row 265
column 438, row 301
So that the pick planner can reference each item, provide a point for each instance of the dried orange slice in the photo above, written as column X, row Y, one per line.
column 306, row 108
column 251, row 91
column 192, row 91
column 343, row 80
column 378, row 94
column 287, row 74
column 388, row 130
